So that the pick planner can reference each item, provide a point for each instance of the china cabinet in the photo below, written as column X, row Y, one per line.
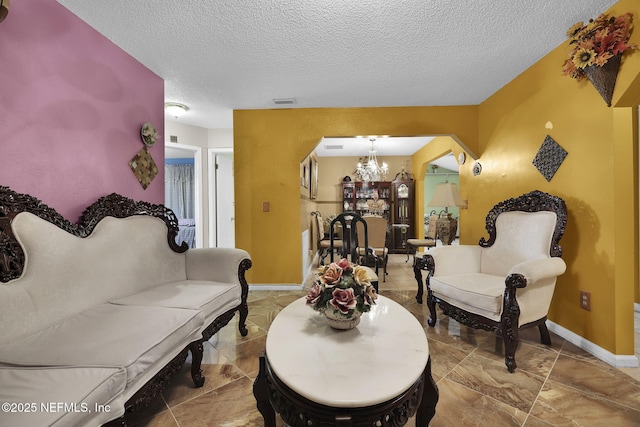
column 393, row 200
column 367, row 198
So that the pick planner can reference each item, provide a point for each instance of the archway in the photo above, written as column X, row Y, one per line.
column 334, row 159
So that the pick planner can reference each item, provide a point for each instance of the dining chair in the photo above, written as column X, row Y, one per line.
column 428, row 242
column 321, row 238
column 349, row 223
column 377, row 241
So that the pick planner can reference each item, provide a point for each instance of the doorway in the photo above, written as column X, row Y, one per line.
column 221, row 199
column 444, row 169
column 183, row 188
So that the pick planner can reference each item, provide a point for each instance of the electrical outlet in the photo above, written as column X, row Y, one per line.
column 585, row 300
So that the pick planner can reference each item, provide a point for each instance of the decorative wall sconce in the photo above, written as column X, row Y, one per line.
column 175, row 109
column 477, row 169
column 4, row 9
column 148, row 134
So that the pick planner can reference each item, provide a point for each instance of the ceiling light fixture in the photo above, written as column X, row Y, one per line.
column 175, row 109
column 370, row 170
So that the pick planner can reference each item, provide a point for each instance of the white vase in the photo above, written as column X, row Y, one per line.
column 338, row 321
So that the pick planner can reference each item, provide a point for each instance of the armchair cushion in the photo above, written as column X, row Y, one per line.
column 522, row 236
column 482, row 294
column 540, row 269
column 476, row 293
column 456, row 259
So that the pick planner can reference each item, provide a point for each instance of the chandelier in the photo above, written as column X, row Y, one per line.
column 369, row 169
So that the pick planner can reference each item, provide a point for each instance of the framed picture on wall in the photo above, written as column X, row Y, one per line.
column 304, row 174
column 313, row 168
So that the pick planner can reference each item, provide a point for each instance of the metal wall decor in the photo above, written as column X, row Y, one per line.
column 142, row 164
column 143, row 167
column 148, row 134
column 477, row 169
column 549, row 158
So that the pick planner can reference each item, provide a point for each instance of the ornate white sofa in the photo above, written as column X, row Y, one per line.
column 96, row 317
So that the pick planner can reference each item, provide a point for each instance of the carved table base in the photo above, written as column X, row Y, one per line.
column 272, row 396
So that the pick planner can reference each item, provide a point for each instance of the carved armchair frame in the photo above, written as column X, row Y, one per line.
column 508, row 327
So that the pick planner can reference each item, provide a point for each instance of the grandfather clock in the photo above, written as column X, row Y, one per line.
column 403, row 206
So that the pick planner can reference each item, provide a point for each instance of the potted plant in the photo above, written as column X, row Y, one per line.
column 342, row 293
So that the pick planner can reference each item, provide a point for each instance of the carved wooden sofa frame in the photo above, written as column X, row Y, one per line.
column 508, row 327
column 12, row 263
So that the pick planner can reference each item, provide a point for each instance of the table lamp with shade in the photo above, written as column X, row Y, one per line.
column 446, row 195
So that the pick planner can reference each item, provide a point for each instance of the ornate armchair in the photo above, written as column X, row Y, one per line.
column 506, row 283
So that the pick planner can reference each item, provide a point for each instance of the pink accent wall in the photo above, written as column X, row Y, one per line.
column 71, row 107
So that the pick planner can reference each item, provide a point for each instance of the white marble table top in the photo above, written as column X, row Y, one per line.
column 370, row 364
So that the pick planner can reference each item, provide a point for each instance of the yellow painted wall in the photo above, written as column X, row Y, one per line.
column 598, row 179
column 269, row 145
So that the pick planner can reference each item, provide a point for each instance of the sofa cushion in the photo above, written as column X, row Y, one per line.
column 131, row 337
column 475, row 292
column 212, row 298
column 65, row 274
column 47, row 390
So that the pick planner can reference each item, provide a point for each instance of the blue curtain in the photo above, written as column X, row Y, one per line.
column 179, row 186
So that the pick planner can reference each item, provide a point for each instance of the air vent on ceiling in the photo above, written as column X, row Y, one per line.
column 284, row 101
column 333, row 147
column 173, row 138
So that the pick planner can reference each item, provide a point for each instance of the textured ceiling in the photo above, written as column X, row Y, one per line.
column 216, row 56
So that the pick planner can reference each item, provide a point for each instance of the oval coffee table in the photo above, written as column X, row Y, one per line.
column 378, row 373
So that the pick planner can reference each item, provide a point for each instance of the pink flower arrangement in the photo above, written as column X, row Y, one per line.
column 342, row 287
column 596, row 43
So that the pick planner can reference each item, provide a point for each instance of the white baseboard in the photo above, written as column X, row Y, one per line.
column 615, row 360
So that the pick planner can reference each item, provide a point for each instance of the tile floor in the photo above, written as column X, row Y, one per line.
column 558, row 386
